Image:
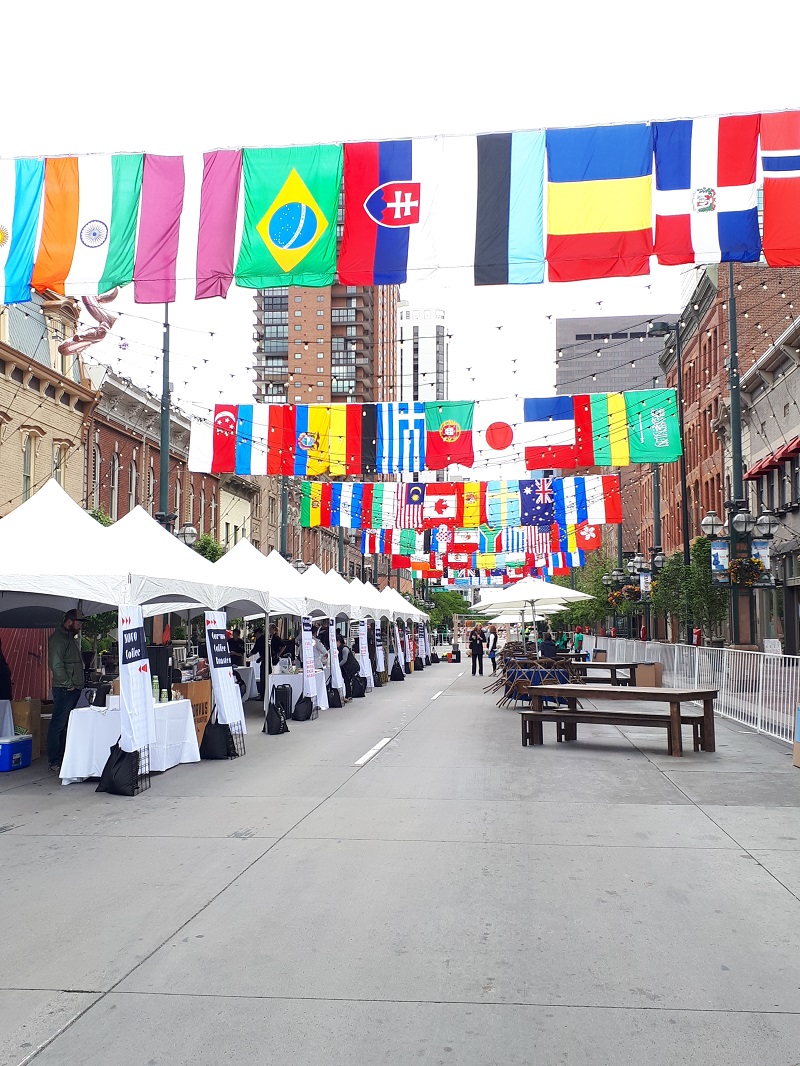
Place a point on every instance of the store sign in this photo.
(227, 696)
(137, 720)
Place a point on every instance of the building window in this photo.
(178, 498)
(202, 508)
(114, 493)
(190, 501)
(227, 534)
(133, 479)
(151, 488)
(213, 529)
(235, 534)
(298, 327)
(298, 314)
(320, 299)
(272, 509)
(320, 314)
(298, 299)
(320, 355)
(96, 465)
(27, 466)
(320, 326)
(60, 463)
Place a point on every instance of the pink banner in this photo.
(154, 273)
(219, 199)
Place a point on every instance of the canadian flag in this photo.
(441, 504)
(587, 536)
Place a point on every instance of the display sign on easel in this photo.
(336, 671)
(227, 696)
(379, 656)
(137, 717)
(363, 654)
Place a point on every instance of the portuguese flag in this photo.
(448, 434)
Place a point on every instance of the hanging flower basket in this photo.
(746, 572)
(632, 593)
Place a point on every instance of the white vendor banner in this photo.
(307, 652)
(363, 654)
(407, 644)
(379, 656)
(336, 671)
(421, 640)
(227, 696)
(398, 647)
(136, 713)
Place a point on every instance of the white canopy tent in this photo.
(401, 606)
(287, 594)
(316, 585)
(339, 589)
(369, 601)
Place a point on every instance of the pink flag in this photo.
(157, 251)
(219, 200)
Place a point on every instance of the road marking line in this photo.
(436, 695)
(372, 752)
(459, 675)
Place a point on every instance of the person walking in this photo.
(477, 640)
(491, 648)
(66, 665)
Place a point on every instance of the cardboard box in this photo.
(115, 687)
(649, 675)
(199, 694)
(28, 716)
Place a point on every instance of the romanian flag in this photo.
(599, 206)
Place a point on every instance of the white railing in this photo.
(761, 691)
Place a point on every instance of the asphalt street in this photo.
(456, 898)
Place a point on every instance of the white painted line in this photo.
(436, 695)
(372, 752)
(459, 675)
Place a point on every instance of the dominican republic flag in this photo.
(780, 159)
(706, 202)
(469, 205)
(536, 501)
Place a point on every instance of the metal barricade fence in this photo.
(758, 690)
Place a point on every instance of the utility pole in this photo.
(737, 477)
(163, 464)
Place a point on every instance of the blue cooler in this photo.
(15, 753)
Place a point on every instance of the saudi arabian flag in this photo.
(291, 199)
(653, 428)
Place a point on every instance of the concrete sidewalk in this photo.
(458, 899)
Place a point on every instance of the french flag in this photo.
(706, 202)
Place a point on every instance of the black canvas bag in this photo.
(303, 709)
(376, 679)
(284, 700)
(334, 697)
(217, 742)
(397, 673)
(121, 773)
(275, 720)
(418, 663)
(350, 666)
(359, 686)
(434, 657)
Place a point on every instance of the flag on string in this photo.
(780, 160)
(472, 504)
(315, 504)
(88, 238)
(373, 541)
(594, 499)
(503, 503)
(465, 540)
(21, 184)
(219, 201)
(441, 538)
(156, 265)
(706, 199)
(653, 427)
(410, 505)
(223, 457)
(384, 505)
(489, 540)
(536, 502)
(342, 513)
(440, 504)
(448, 425)
(281, 439)
(367, 491)
(588, 537)
(599, 202)
(552, 433)
(312, 433)
(400, 437)
(291, 198)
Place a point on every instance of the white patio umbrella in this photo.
(530, 592)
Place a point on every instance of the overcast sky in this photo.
(180, 78)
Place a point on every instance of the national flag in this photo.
(706, 200)
(281, 439)
(551, 433)
(441, 538)
(219, 201)
(465, 540)
(312, 432)
(536, 502)
(384, 505)
(503, 504)
(407, 541)
(489, 540)
(441, 504)
(224, 442)
(594, 499)
(401, 438)
(21, 184)
(654, 433)
(372, 541)
(401, 562)
(472, 504)
(291, 198)
(315, 505)
(88, 239)
(367, 490)
(780, 160)
(342, 505)
(603, 417)
(410, 505)
(599, 202)
(448, 425)
(155, 266)
(588, 537)
(346, 433)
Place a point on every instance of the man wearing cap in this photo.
(66, 665)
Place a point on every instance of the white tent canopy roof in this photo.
(316, 585)
(287, 594)
(530, 591)
(400, 605)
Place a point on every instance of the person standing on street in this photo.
(491, 648)
(66, 665)
(477, 639)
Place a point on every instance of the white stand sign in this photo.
(363, 654)
(307, 651)
(379, 656)
(137, 717)
(398, 647)
(336, 671)
(226, 692)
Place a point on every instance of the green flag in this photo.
(653, 428)
(291, 198)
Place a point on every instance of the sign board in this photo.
(336, 671)
(199, 695)
(720, 562)
(379, 657)
(227, 696)
(363, 654)
(136, 713)
(772, 646)
(307, 652)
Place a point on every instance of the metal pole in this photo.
(163, 463)
(737, 478)
(687, 558)
(341, 550)
(653, 625)
(284, 515)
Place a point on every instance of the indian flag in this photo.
(88, 229)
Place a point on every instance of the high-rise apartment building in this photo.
(423, 353)
(609, 354)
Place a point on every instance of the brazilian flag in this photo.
(291, 199)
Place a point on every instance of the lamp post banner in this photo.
(227, 696)
(644, 584)
(137, 718)
(720, 562)
(307, 650)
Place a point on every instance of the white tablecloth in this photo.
(91, 734)
(296, 682)
(249, 675)
(6, 719)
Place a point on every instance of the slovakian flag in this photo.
(780, 160)
(706, 201)
(441, 504)
(448, 425)
(471, 205)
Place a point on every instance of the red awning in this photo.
(787, 451)
(761, 467)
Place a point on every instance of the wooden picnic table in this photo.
(611, 669)
(628, 693)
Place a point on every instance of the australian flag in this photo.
(537, 503)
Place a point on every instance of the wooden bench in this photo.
(567, 723)
(672, 696)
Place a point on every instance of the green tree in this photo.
(669, 592)
(446, 605)
(709, 602)
(208, 547)
(99, 514)
(588, 579)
